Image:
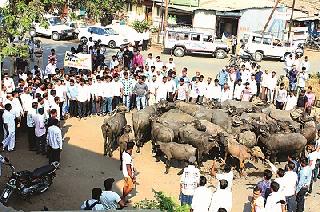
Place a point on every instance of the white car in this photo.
(56, 29)
(266, 46)
(126, 31)
(107, 36)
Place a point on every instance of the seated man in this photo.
(94, 203)
(110, 199)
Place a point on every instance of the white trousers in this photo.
(9, 141)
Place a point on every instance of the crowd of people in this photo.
(37, 100)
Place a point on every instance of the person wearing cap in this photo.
(110, 199)
(189, 181)
(94, 203)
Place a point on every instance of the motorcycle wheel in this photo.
(6, 193)
(47, 182)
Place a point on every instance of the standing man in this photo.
(140, 89)
(190, 180)
(31, 126)
(53, 57)
(38, 52)
(72, 93)
(9, 127)
(201, 197)
(305, 176)
(82, 98)
(146, 37)
(40, 131)
(54, 140)
(234, 43)
(290, 178)
(128, 171)
(127, 89)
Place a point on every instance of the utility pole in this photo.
(290, 24)
(270, 17)
(166, 4)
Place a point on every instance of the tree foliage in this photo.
(17, 18)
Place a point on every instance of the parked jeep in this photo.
(262, 46)
(182, 41)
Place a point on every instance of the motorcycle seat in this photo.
(38, 172)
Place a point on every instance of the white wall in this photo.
(137, 13)
(254, 20)
(204, 19)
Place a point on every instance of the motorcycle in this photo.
(27, 183)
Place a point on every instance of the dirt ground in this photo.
(84, 167)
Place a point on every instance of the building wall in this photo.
(204, 19)
(255, 19)
(135, 12)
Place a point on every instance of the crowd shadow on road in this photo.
(81, 170)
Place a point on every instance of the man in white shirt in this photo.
(150, 61)
(238, 90)
(162, 90)
(281, 97)
(306, 64)
(313, 156)
(291, 179)
(302, 78)
(291, 101)
(8, 83)
(276, 200)
(272, 84)
(54, 140)
(152, 86)
(109, 199)
(226, 175)
(9, 127)
(50, 69)
(30, 124)
(61, 92)
(107, 95)
(26, 99)
(171, 88)
(202, 197)
(222, 198)
(93, 203)
(226, 93)
(82, 98)
(182, 91)
(114, 62)
(128, 171)
(40, 131)
(117, 91)
(158, 64)
(171, 65)
(189, 181)
(213, 91)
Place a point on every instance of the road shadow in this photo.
(80, 171)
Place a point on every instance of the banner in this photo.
(80, 61)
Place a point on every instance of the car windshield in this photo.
(55, 21)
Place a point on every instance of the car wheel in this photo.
(220, 54)
(55, 36)
(258, 56)
(179, 52)
(112, 44)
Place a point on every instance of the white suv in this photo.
(107, 36)
(56, 29)
(183, 41)
(266, 46)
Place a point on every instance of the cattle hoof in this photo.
(110, 155)
(166, 172)
(157, 160)
(138, 151)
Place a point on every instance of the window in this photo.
(100, 31)
(171, 35)
(158, 11)
(182, 36)
(207, 38)
(267, 41)
(256, 39)
(195, 37)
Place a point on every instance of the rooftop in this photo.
(231, 5)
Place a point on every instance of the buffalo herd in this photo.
(233, 129)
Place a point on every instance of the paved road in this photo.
(205, 64)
